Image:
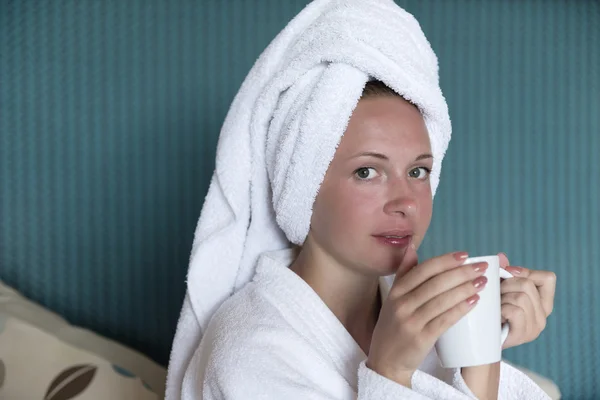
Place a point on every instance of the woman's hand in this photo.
(421, 306)
(527, 301)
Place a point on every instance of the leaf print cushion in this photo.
(37, 365)
(42, 356)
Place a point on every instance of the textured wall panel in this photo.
(110, 112)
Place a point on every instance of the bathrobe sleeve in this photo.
(514, 385)
(371, 385)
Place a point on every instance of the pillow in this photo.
(42, 356)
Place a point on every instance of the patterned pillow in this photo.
(37, 365)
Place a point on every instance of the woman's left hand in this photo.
(527, 301)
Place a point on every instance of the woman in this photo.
(320, 320)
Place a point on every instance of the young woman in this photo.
(348, 311)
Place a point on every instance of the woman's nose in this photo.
(402, 201)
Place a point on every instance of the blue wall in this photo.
(110, 112)
(522, 81)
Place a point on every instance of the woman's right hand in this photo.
(422, 304)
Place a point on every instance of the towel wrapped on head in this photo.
(280, 135)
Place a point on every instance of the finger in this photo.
(534, 314)
(424, 271)
(446, 283)
(545, 282)
(409, 261)
(524, 290)
(516, 317)
(518, 324)
(450, 298)
(503, 260)
(437, 326)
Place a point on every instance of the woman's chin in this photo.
(390, 266)
(384, 268)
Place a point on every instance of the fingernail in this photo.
(461, 255)
(480, 266)
(480, 282)
(514, 270)
(473, 299)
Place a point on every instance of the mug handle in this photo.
(505, 326)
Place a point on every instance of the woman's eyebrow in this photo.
(384, 157)
(424, 156)
(371, 154)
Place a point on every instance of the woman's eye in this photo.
(419, 173)
(366, 173)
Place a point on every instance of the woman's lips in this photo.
(394, 240)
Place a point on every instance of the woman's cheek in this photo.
(360, 201)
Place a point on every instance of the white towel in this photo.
(280, 135)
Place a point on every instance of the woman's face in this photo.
(376, 198)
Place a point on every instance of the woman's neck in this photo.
(352, 297)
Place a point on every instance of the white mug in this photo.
(477, 338)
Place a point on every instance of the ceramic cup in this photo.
(477, 338)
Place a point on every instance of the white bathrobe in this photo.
(276, 339)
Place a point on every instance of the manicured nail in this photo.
(480, 282)
(514, 270)
(461, 255)
(472, 300)
(480, 266)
